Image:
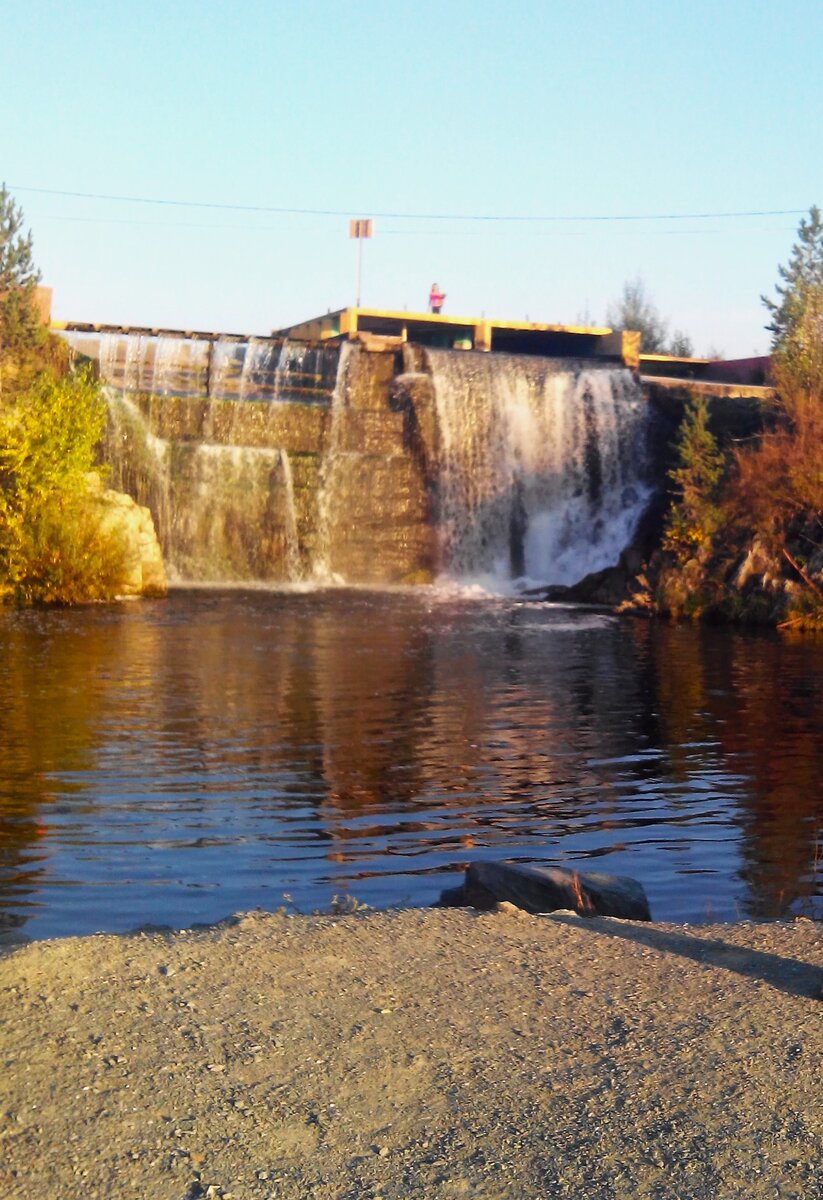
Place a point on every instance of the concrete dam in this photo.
(376, 460)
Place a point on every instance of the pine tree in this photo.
(797, 361)
(802, 282)
(797, 314)
(17, 269)
(695, 514)
(681, 345)
(21, 335)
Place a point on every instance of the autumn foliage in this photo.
(744, 538)
(53, 548)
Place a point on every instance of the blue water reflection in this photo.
(172, 762)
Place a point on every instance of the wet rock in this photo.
(541, 887)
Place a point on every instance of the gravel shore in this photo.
(419, 1053)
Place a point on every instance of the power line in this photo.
(407, 216)
(427, 232)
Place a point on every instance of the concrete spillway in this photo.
(401, 465)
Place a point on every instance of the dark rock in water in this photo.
(453, 898)
(542, 888)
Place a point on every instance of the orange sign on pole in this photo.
(360, 229)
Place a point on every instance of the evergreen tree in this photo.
(681, 345)
(17, 269)
(797, 319)
(695, 514)
(802, 284)
(21, 335)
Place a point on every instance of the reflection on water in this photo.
(172, 762)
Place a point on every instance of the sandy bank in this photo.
(418, 1053)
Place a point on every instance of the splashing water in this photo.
(223, 512)
(333, 461)
(533, 470)
(542, 466)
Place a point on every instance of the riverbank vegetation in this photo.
(744, 535)
(53, 546)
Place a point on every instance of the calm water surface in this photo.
(172, 762)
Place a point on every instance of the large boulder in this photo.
(540, 887)
(143, 571)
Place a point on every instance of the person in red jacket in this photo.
(436, 298)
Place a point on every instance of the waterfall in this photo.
(140, 462)
(263, 459)
(541, 466)
(218, 366)
(294, 567)
(234, 514)
(266, 369)
(223, 512)
(126, 361)
(330, 471)
(180, 366)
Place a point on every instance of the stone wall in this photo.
(346, 489)
(381, 529)
(281, 491)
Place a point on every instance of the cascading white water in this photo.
(274, 370)
(330, 473)
(162, 365)
(126, 360)
(139, 460)
(180, 366)
(542, 466)
(260, 360)
(234, 516)
(222, 511)
(295, 370)
(294, 567)
(228, 357)
(523, 468)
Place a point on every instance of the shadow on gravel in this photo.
(789, 975)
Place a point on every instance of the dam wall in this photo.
(280, 462)
(278, 489)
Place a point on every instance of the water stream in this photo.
(538, 470)
(176, 761)
(543, 465)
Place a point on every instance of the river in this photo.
(171, 762)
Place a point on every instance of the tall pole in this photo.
(359, 266)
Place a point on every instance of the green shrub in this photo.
(52, 548)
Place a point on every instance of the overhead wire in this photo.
(521, 218)
(427, 232)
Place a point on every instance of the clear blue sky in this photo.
(551, 110)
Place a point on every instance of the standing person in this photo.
(436, 298)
